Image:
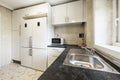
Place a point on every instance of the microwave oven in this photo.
(57, 41)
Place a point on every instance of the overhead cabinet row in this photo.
(73, 12)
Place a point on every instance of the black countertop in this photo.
(58, 71)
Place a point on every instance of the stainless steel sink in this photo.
(85, 61)
(76, 58)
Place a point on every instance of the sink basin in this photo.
(77, 58)
(84, 61)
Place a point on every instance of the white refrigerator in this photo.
(34, 43)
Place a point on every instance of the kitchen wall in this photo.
(70, 33)
(5, 36)
(89, 28)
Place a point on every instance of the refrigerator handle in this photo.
(30, 42)
(30, 52)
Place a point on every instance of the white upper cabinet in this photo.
(17, 15)
(59, 14)
(72, 12)
(75, 12)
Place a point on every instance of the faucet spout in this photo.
(91, 51)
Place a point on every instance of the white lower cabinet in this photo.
(53, 54)
(39, 59)
(26, 58)
(34, 58)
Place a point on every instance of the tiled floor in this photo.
(17, 72)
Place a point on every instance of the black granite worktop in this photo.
(58, 71)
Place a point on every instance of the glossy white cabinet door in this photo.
(53, 54)
(39, 33)
(26, 57)
(26, 33)
(75, 11)
(16, 33)
(16, 20)
(72, 12)
(39, 59)
(15, 45)
(59, 14)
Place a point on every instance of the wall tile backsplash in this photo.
(70, 33)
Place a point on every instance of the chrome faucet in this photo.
(90, 50)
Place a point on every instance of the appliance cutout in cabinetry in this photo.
(33, 43)
(81, 41)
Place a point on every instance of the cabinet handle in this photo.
(30, 41)
(30, 52)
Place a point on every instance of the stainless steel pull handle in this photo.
(30, 42)
(30, 52)
(19, 30)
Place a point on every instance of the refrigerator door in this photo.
(40, 59)
(26, 34)
(39, 35)
(26, 57)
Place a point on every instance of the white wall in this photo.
(5, 38)
(89, 28)
(103, 21)
(69, 32)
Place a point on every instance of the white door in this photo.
(75, 11)
(39, 35)
(39, 59)
(26, 33)
(26, 57)
(59, 14)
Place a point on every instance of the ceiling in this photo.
(14, 4)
